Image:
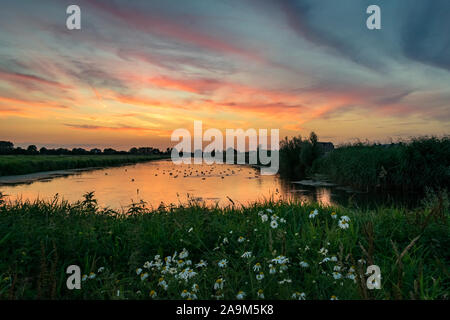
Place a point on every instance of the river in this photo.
(161, 181)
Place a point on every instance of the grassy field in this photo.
(23, 164)
(275, 250)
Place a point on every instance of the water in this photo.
(162, 181)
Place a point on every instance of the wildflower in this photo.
(222, 263)
(274, 224)
(92, 275)
(274, 217)
(260, 276)
(299, 295)
(101, 269)
(153, 294)
(225, 240)
(162, 282)
(180, 263)
(345, 218)
(272, 269)
(313, 214)
(337, 268)
(260, 213)
(138, 271)
(186, 274)
(333, 297)
(188, 262)
(280, 260)
(304, 264)
(264, 218)
(260, 294)
(343, 224)
(257, 267)
(219, 284)
(361, 261)
(323, 251)
(184, 293)
(351, 276)
(246, 254)
(183, 254)
(241, 239)
(285, 281)
(195, 287)
(337, 275)
(282, 220)
(192, 296)
(269, 210)
(144, 276)
(333, 258)
(351, 269)
(201, 264)
(283, 267)
(240, 295)
(190, 230)
(147, 265)
(333, 215)
(118, 293)
(84, 278)
(326, 259)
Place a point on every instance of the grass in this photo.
(23, 164)
(39, 240)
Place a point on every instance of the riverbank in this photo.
(272, 250)
(26, 164)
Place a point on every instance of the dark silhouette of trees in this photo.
(6, 147)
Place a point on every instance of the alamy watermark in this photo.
(73, 21)
(258, 152)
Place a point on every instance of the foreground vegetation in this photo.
(405, 166)
(272, 250)
(23, 164)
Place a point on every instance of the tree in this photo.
(6, 147)
(95, 151)
(32, 149)
(109, 151)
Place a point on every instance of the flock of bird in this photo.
(203, 173)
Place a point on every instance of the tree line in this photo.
(7, 148)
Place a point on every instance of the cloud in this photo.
(425, 34)
(119, 128)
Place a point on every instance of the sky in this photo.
(137, 70)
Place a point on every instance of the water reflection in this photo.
(162, 182)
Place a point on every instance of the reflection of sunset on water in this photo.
(163, 182)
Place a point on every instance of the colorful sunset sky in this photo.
(137, 70)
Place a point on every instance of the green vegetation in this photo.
(299, 250)
(406, 166)
(23, 164)
(412, 166)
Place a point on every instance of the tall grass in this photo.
(23, 164)
(408, 166)
(39, 240)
